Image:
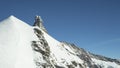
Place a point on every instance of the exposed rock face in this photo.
(41, 51)
(46, 58)
(85, 56)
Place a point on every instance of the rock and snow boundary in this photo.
(25, 46)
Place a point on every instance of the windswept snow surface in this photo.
(105, 64)
(15, 49)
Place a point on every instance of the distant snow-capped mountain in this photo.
(25, 46)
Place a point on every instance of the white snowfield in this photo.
(105, 64)
(16, 51)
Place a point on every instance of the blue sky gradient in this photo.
(90, 24)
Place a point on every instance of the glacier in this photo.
(25, 46)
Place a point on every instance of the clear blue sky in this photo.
(90, 24)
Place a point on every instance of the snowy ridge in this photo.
(105, 64)
(15, 36)
(25, 46)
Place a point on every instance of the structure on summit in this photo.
(39, 23)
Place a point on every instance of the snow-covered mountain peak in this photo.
(12, 16)
(15, 41)
(14, 22)
(25, 46)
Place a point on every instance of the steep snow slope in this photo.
(60, 53)
(105, 64)
(15, 49)
(25, 46)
